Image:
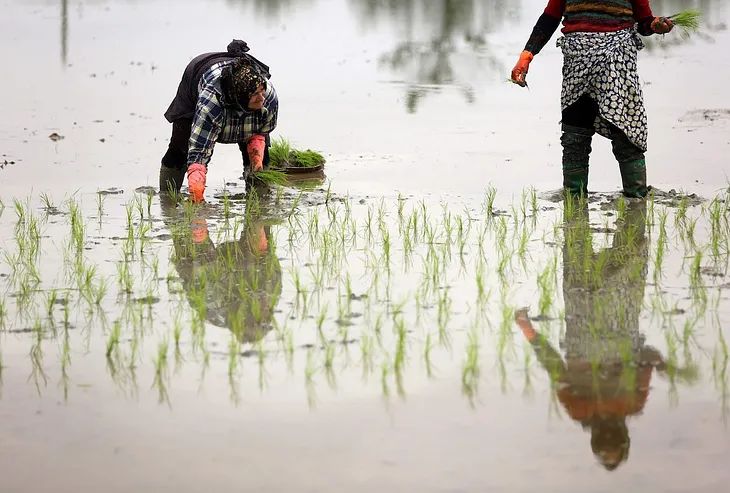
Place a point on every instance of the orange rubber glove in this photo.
(196, 181)
(661, 25)
(255, 147)
(523, 64)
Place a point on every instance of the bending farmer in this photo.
(601, 92)
(222, 97)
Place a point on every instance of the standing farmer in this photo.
(601, 90)
(222, 97)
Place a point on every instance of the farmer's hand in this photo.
(196, 181)
(661, 25)
(255, 147)
(519, 72)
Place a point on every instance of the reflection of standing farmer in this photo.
(222, 97)
(607, 369)
(601, 89)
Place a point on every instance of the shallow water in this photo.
(370, 341)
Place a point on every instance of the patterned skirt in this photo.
(603, 67)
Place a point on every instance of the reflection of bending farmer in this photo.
(601, 88)
(607, 370)
(237, 283)
(222, 97)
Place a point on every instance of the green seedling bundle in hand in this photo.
(688, 21)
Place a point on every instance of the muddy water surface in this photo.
(364, 330)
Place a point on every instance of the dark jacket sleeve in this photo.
(546, 26)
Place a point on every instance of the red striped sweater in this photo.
(590, 16)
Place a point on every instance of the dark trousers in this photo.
(582, 115)
(176, 156)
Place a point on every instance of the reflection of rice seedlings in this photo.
(400, 350)
(3, 313)
(114, 335)
(427, 348)
(544, 282)
(479, 277)
(505, 332)
(661, 245)
(124, 276)
(503, 260)
(524, 240)
(695, 275)
(515, 216)
(470, 368)
(526, 367)
(161, 359)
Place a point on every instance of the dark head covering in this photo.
(610, 441)
(240, 80)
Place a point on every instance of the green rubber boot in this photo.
(632, 164)
(633, 177)
(576, 144)
(171, 179)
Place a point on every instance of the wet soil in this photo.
(359, 330)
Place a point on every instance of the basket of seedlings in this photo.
(290, 161)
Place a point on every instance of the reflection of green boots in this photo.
(576, 144)
(632, 165)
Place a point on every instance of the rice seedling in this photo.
(688, 21)
(270, 177)
(488, 204)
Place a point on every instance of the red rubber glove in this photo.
(520, 71)
(196, 181)
(255, 147)
(661, 25)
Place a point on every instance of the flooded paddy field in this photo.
(429, 315)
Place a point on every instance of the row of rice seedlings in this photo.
(330, 354)
(434, 257)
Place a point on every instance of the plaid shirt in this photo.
(215, 123)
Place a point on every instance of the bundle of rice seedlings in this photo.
(279, 152)
(306, 159)
(521, 84)
(283, 155)
(687, 20)
(270, 176)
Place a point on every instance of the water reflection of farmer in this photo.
(236, 283)
(223, 97)
(607, 370)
